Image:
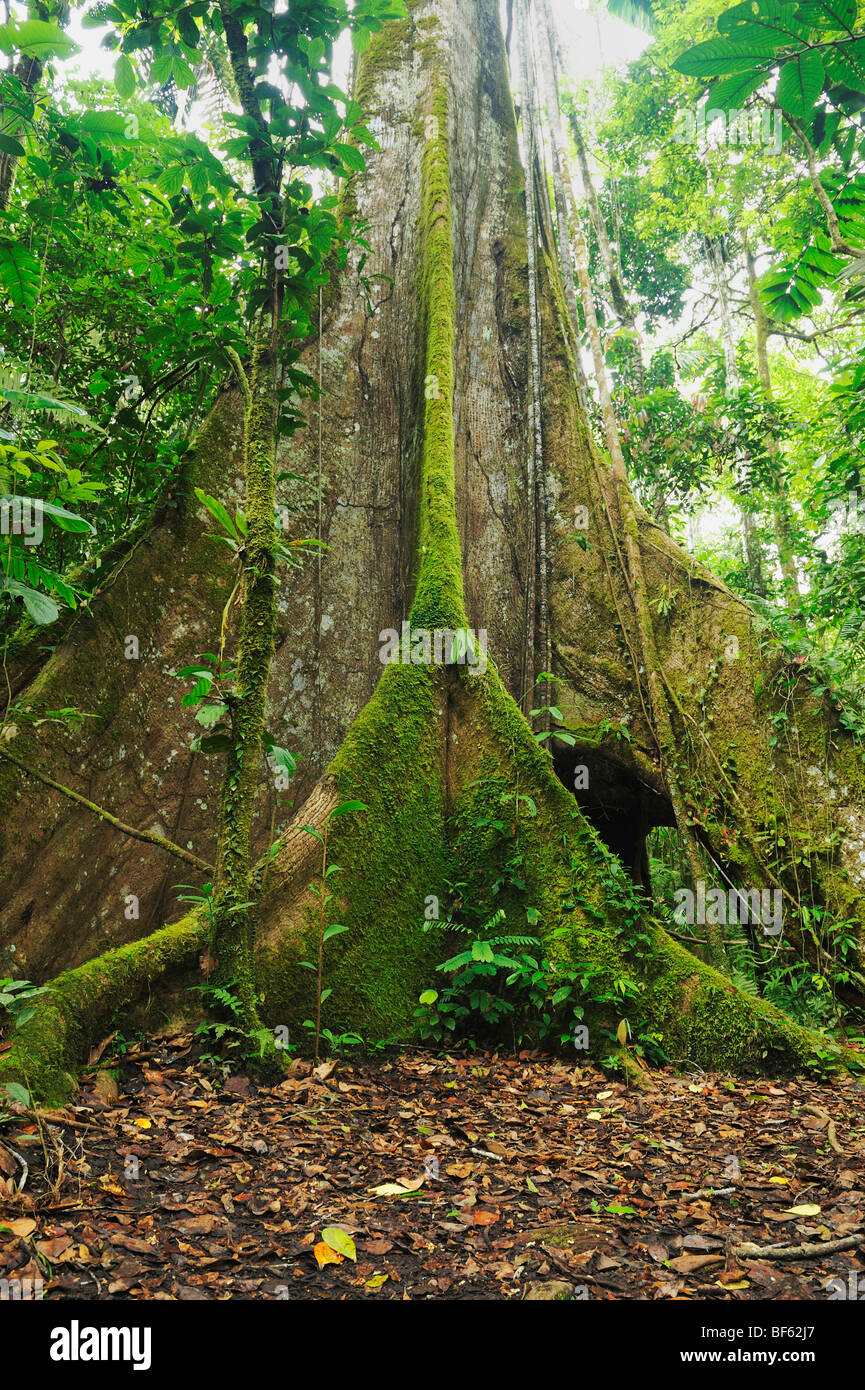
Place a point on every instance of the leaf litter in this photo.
(489, 1176)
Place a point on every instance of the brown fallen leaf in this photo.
(198, 1225)
(53, 1249)
(135, 1244)
(21, 1227)
(689, 1264)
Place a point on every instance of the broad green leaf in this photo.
(333, 930)
(182, 73)
(846, 64)
(730, 92)
(124, 76)
(350, 156)
(212, 743)
(209, 714)
(19, 274)
(40, 607)
(37, 39)
(31, 400)
(348, 806)
(109, 127)
(67, 521)
(829, 14)
(16, 1092)
(717, 57)
(800, 84)
(340, 1242)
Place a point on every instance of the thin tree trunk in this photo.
(753, 548)
(782, 511)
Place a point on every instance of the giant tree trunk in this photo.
(419, 471)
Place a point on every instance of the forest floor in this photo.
(480, 1177)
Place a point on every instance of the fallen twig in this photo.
(805, 1251)
(831, 1132)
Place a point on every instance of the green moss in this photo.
(439, 600)
(384, 53)
(391, 857)
(72, 1016)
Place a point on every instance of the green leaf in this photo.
(729, 93)
(209, 714)
(41, 608)
(847, 64)
(717, 57)
(350, 156)
(800, 84)
(182, 73)
(19, 274)
(10, 146)
(109, 127)
(429, 996)
(67, 521)
(212, 743)
(340, 1242)
(348, 806)
(29, 400)
(216, 509)
(829, 14)
(124, 77)
(37, 39)
(333, 930)
(17, 1093)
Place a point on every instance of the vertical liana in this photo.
(439, 599)
(537, 570)
(231, 925)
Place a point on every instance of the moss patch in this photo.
(72, 1016)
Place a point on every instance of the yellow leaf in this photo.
(109, 1185)
(392, 1189)
(530, 1185)
(622, 1031)
(376, 1281)
(199, 1104)
(741, 1284)
(340, 1242)
(603, 1095)
(809, 1209)
(594, 1115)
(142, 1124)
(782, 1181)
(325, 1256)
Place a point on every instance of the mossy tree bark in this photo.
(420, 487)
